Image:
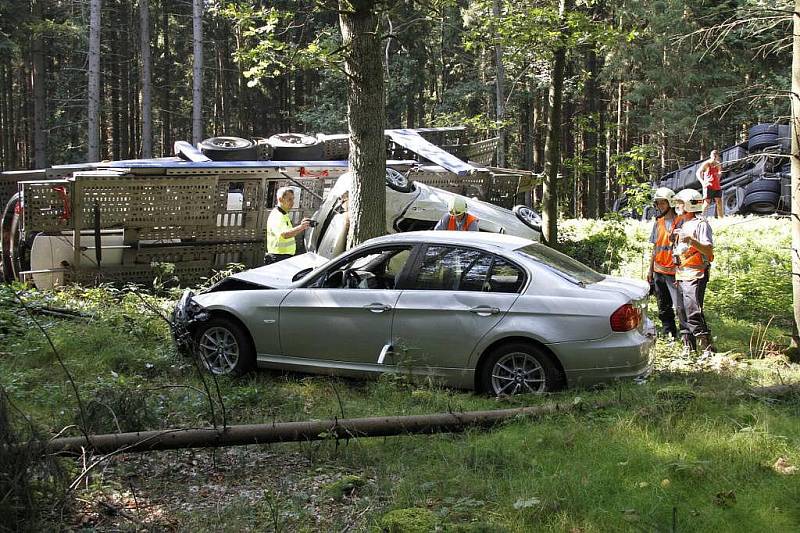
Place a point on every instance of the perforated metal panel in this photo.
(47, 205)
(187, 274)
(146, 202)
(8, 188)
(223, 233)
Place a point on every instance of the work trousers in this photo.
(668, 300)
(693, 293)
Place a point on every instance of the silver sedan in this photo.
(490, 312)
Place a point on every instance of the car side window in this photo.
(377, 268)
(465, 269)
(505, 277)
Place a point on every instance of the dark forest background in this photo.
(648, 85)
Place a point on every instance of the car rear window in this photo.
(561, 264)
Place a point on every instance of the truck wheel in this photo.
(296, 147)
(229, 149)
(768, 185)
(761, 202)
(732, 200)
(7, 226)
(760, 129)
(757, 142)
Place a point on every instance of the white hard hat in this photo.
(457, 205)
(692, 200)
(664, 193)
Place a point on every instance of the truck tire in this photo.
(767, 185)
(7, 225)
(758, 142)
(760, 129)
(296, 147)
(761, 202)
(229, 149)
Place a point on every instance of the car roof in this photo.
(479, 238)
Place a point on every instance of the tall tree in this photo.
(500, 93)
(93, 88)
(552, 143)
(147, 98)
(197, 71)
(366, 118)
(796, 175)
(38, 81)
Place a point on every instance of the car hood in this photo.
(279, 275)
(634, 289)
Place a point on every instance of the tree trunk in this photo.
(39, 79)
(552, 143)
(500, 93)
(147, 98)
(796, 179)
(166, 94)
(93, 89)
(197, 71)
(602, 163)
(345, 428)
(366, 119)
(591, 96)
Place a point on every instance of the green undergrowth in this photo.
(694, 444)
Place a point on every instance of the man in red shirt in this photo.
(709, 175)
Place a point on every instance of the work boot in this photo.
(705, 344)
(689, 345)
(670, 334)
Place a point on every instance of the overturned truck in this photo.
(207, 206)
(755, 174)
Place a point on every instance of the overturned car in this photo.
(412, 206)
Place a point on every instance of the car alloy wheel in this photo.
(219, 350)
(528, 216)
(398, 181)
(518, 373)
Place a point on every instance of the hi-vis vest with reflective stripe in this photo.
(278, 223)
(692, 262)
(663, 262)
(468, 220)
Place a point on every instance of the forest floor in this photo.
(694, 448)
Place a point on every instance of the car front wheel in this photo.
(519, 369)
(224, 347)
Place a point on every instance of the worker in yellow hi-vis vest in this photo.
(280, 232)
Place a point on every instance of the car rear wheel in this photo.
(519, 369)
(224, 348)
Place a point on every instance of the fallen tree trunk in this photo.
(171, 439)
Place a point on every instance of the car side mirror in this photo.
(301, 274)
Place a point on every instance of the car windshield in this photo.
(561, 264)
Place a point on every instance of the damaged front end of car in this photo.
(186, 315)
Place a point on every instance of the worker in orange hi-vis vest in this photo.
(457, 218)
(709, 175)
(694, 252)
(661, 275)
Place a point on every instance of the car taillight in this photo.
(626, 318)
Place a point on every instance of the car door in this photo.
(344, 317)
(452, 297)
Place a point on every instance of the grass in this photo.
(692, 448)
